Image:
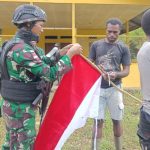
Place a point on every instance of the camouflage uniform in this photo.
(20, 117)
(25, 64)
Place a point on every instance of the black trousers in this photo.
(144, 130)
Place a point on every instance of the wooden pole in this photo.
(101, 72)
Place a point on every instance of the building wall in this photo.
(133, 80)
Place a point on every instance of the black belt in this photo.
(20, 91)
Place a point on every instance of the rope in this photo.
(95, 136)
(110, 82)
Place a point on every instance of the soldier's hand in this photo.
(74, 50)
(65, 49)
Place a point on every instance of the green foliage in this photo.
(137, 37)
(134, 40)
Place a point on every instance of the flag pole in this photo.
(101, 71)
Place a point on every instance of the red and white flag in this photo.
(75, 100)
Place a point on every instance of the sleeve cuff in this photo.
(66, 60)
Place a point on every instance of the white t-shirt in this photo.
(143, 58)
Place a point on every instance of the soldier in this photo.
(24, 65)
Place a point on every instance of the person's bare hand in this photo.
(74, 50)
(65, 49)
(109, 75)
(112, 75)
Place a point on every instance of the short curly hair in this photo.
(145, 22)
(114, 21)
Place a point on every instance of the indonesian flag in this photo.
(75, 100)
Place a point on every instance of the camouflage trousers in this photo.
(20, 126)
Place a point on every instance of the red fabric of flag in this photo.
(68, 97)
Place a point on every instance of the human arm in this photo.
(65, 49)
(27, 59)
(76, 49)
(92, 53)
(125, 60)
(56, 55)
(118, 74)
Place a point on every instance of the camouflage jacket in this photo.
(24, 58)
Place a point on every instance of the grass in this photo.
(81, 138)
